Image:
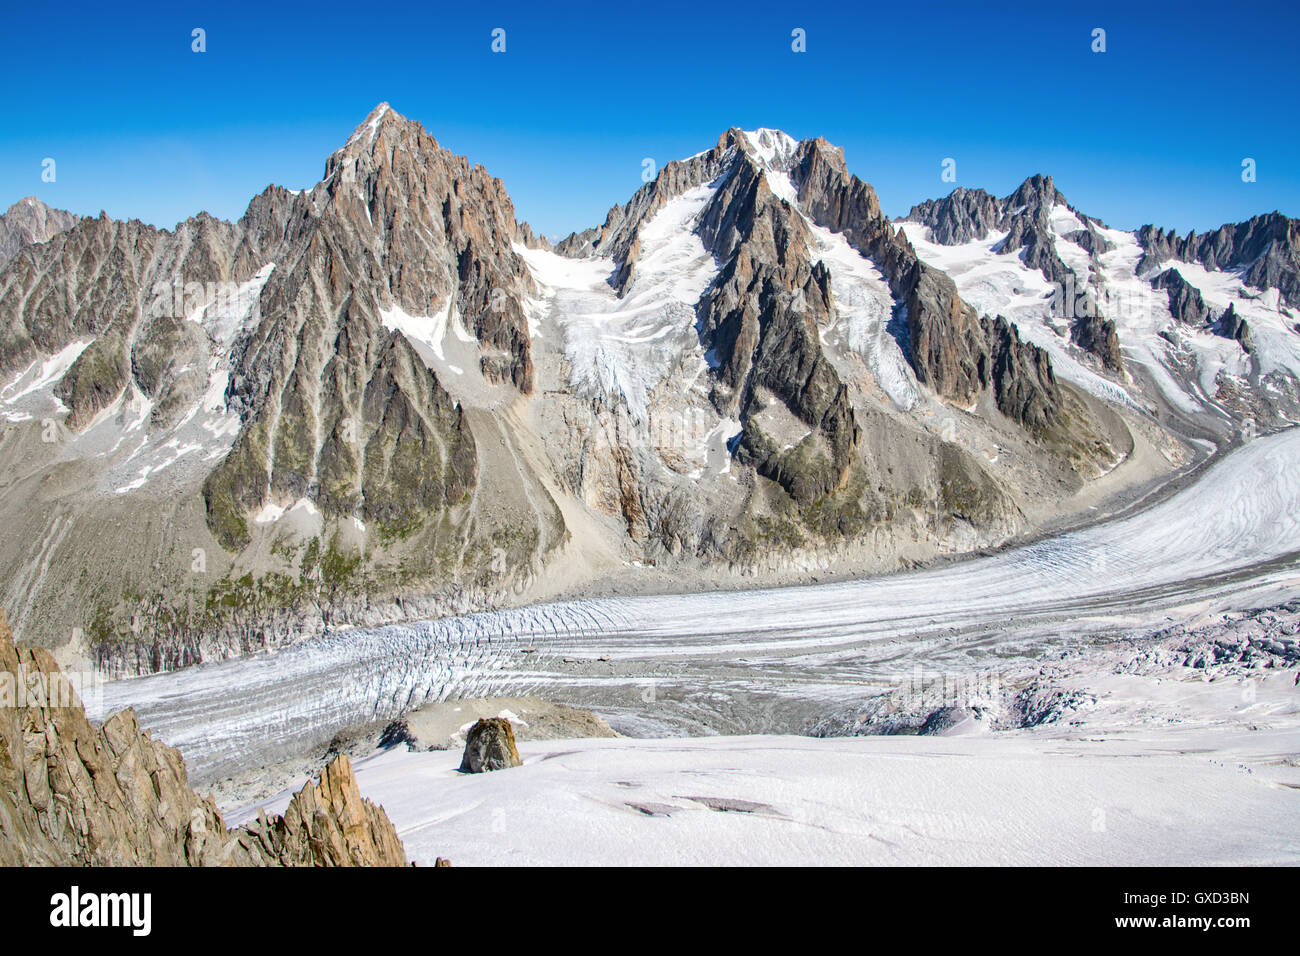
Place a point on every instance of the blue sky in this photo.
(1152, 130)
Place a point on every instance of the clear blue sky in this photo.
(1153, 130)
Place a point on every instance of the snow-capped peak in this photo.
(772, 147)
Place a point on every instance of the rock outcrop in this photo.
(952, 349)
(1266, 249)
(1232, 326)
(440, 725)
(1185, 301)
(490, 745)
(1026, 218)
(963, 216)
(72, 794)
(1096, 334)
(30, 221)
(326, 824)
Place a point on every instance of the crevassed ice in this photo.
(1277, 347)
(863, 309)
(623, 347)
(227, 315)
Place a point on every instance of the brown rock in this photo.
(73, 794)
(490, 745)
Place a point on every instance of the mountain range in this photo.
(385, 397)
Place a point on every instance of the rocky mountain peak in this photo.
(400, 235)
(1036, 193)
(1028, 217)
(29, 220)
(1266, 248)
(773, 148)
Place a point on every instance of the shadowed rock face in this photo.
(1185, 300)
(72, 794)
(960, 217)
(1026, 218)
(338, 409)
(759, 318)
(1025, 386)
(1265, 248)
(1096, 334)
(952, 349)
(1232, 326)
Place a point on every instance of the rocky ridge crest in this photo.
(72, 794)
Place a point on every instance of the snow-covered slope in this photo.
(1080, 265)
(1001, 284)
(131, 448)
(782, 801)
(622, 347)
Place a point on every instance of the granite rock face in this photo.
(1186, 303)
(761, 319)
(953, 350)
(31, 221)
(327, 823)
(1266, 249)
(72, 794)
(1026, 218)
(338, 407)
(490, 745)
(962, 216)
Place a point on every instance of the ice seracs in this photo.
(623, 346)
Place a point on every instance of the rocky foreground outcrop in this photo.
(72, 794)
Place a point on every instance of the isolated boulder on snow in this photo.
(490, 745)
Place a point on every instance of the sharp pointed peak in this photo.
(381, 115)
(1039, 185)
